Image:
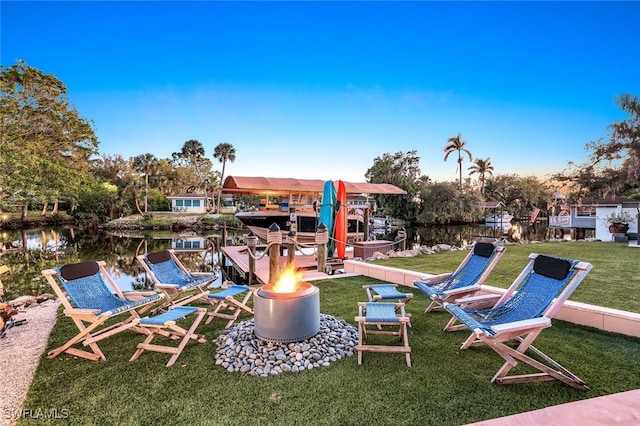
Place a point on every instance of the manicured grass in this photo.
(445, 385)
(614, 281)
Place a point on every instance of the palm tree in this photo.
(482, 168)
(455, 143)
(223, 152)
(194, 151)
(143, 164)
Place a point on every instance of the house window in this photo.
(178, 203)
(182, 244)
(187, 203)
(196, 203)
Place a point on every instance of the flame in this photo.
(289, 281)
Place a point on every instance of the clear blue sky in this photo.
(318, 90)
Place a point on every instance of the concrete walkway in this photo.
(617, 409)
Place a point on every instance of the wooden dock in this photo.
(238, 257)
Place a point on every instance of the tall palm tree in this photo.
(194, 151)
(482, 168)
(223, 152)
(143, 164)
(455, 143)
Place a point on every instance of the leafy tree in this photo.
(97, 203)
(482, 167)
(114, 169)
(444, 203)
(400, 169)
(624, 138)
(223, 152)
(534, 193)
(504, 188)
(614, 166)
(455, 143)
(519, 194)
(45, 146)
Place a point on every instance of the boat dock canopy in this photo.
(276, 186)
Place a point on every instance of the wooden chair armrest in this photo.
(436, 278)
(518, 326)
(82, 314)
(203, 274)
(478, 302)
(134, 296)
(462, 290)
(167, 286)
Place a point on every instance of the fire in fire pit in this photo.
(288, 310)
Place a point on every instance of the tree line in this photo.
(613, 168)
(49, 154)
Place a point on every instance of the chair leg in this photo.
(453, 325)
(405, 338)
(361, 336)
(553, 371)
(434, 306)
(175, 352)
(231, 304)
(85, 333)
(188, 336)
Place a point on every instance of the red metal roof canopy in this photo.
(254, 185)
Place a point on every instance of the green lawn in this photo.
(613, 282)
(444, 386)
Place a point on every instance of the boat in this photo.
(305, 224)
(499, 218)
(300, 204)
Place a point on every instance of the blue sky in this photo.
(320, 89)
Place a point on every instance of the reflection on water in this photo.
(48, 248)
(461, 235)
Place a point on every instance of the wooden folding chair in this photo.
(167, 321)
(465, 280)
(389, 319)
(514, 320)
(91, 298)
(170, 276)
(227, 306)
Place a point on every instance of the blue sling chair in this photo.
(182, 287)
(509, 323)
(466, 280)
(171, 277)
(91, 298)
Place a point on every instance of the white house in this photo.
(189, 203)
(618, 205)
(197, 203)
(589, 218)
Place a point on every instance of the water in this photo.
(461, 235)
(48, 248)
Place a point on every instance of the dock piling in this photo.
(322, 238)
(252, 243)
(274, 241)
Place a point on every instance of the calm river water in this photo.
(47, 248)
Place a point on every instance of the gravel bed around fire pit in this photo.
(239, 350)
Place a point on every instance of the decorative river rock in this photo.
(240, 350)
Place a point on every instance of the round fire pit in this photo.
(287, 317)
